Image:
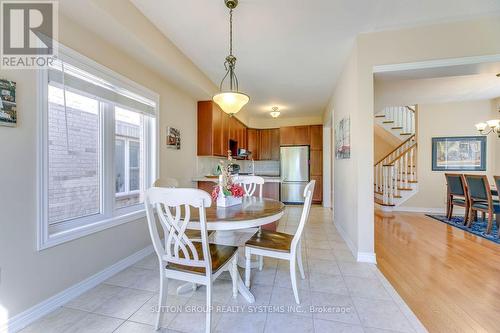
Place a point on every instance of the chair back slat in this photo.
(249, 184)
(456, 184)
(178, 248)
(308, 194)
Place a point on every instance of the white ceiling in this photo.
(290, 52)
(437, 85)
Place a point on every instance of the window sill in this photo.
(64, 236)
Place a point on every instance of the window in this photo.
(97, 148)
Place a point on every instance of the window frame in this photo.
(52, 235)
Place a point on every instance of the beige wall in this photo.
(28, 276)
(343, 102)
(495, 109)
(446, 119)
(383, 143)
(477, 37)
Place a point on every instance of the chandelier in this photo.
(491, 126)
(230, 101)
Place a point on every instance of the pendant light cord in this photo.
(230, 32)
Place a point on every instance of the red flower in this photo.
(215, 193)
(236, 191)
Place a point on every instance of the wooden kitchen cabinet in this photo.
(302, 135)
(265, 144)
(275, 144)
(318, 189)
(287, 136)
(294, 135)
(316, 162)
(210, 124)
(316, 133)
(253, 143)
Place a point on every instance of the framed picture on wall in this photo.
(343, 139)
(8, 107)
(463, 153)
(173, 138)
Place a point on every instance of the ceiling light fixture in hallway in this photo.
(231, 101)
(275, 113)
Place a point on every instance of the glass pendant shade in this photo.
(481, 126)
(493, 123)
(231, 101)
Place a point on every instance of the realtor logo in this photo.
(28, 34)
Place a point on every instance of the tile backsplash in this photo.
(206, 166)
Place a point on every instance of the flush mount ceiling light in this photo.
(230, 101)
(275, 113)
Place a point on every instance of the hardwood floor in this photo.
(448, 277)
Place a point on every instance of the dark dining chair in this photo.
(456, 195)
(479, 192)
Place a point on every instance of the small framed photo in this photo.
(464, 153)
(8, 108)
(173, 138)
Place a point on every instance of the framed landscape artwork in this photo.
(466, 153)
(8, 109)
(343, 139)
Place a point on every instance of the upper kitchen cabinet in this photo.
(295, 135)
(265, 144)
(253, 143)
(210, 129)
(216, 129)
(316, 133)
(275, 144)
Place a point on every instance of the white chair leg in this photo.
(162, 299)
(261, 262)
(234, 275)
(208, 321)
(293, 277)
(248, 256)
(299, 261)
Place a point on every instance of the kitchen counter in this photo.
(268, 179)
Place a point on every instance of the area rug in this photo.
(478, 228)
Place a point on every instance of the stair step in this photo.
(406, 134)
(410, 181)
(405, 189)
(388, 122)
(382, 193)
(380, 116)
(381, 203)
(397, 127)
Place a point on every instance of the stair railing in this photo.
(402, 116)
(395, 176)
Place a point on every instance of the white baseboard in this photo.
(41, 309)
(420, 210)
(369, 257)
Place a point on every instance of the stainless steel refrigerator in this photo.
(294, 173)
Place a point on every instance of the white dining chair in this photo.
(180, 257)
(250, 184)
(281, 245)
(166, 182)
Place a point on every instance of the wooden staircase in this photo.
(395, 174)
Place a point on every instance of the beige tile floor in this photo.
(338, 295)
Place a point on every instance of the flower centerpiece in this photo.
(227, 193)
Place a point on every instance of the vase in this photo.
(223, 201)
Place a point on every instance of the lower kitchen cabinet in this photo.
(318, 189)
(206, 186)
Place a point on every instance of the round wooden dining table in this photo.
(252, 212)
